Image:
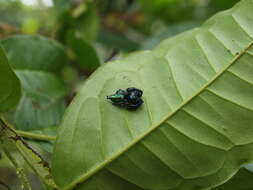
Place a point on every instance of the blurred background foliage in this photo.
(89, 33)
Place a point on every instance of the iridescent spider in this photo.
(129, 98)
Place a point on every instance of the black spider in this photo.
(129, 98)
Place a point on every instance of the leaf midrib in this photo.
(113, 157)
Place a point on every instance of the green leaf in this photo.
(216, 5)
(35, 60)
(84, 52)
(83, 19)
(194, 130)
(87, 24)
(9, 84)
(42, 103)
(118, 41)
(169, 32)
(34, 52)
(170, 10)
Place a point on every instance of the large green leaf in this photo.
(9, 84)
(195, 128)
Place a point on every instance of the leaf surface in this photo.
(34, 52)
(42, 103)
(195, 128)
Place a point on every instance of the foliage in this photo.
(42, 102)
(10, 86)
(173, 116)
(194, 130)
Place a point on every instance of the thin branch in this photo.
(30, 135)
(16, 137)
(23, 147)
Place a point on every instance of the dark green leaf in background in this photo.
(88, 23)
(9, 84)
(78, 29)
(34, 52)
(117, 41)
(35, 60)
(42, 103)
(169, 32)
(83, 19)
(170, 10)
(85, 53)
(216, 5)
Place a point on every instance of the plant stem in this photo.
(27, 134)
(30, 135)
(16, 137)
(33, 158)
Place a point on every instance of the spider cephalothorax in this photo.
(129, 98)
